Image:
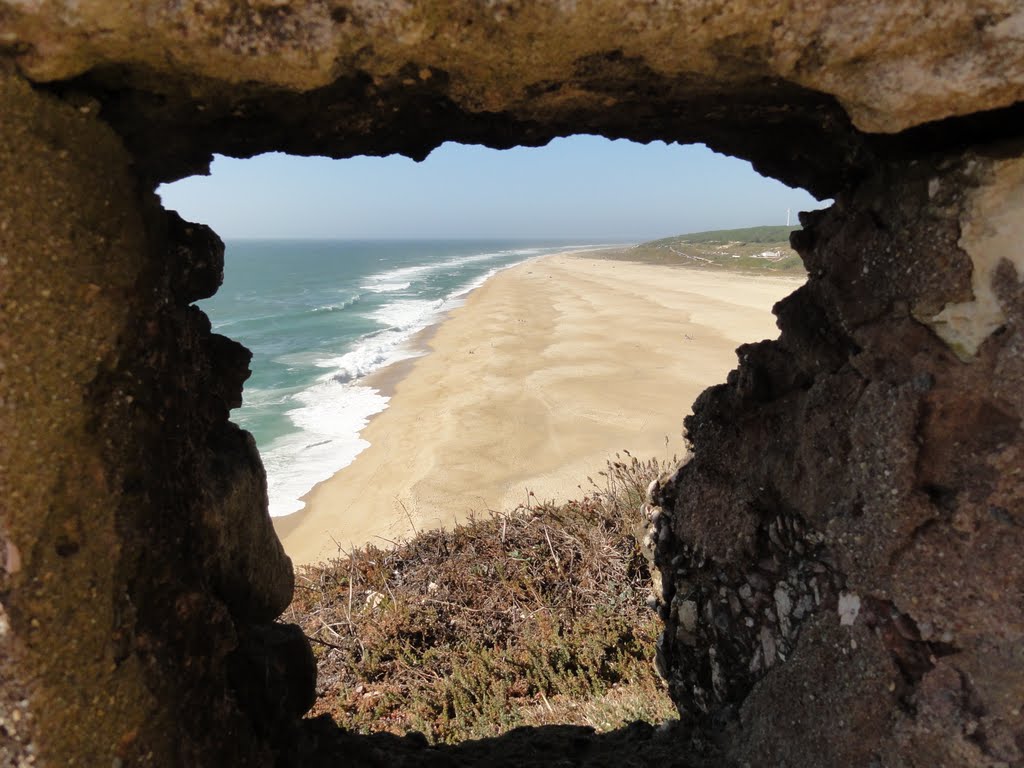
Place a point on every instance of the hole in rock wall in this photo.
(483, 332)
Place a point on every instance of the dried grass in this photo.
(534, 617)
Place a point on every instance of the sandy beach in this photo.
(547, 370)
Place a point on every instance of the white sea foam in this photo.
(268, 398)
(239, 321)
(419, 270)
(368, 355)
(402, 274)
(408, 313)
(402, 320)
(386, 287)
(338, 306)
(330, 416)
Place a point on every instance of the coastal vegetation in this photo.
(534, 617)
(753, 249)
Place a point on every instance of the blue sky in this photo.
(582, 187)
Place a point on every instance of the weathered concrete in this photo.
(841, 559)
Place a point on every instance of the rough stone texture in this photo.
(992, 232)
(841, 560)
(71, 242)
(134, 542)
(891, 65)
(777, 83)
(873, 541)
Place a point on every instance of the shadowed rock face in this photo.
(841, 572)
(840, 553)
(784, 85)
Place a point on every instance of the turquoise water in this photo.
(321, 315)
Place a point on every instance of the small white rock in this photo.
(849, 608)
(687, 613)
(783, 608)
(650, 490)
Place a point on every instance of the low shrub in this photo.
(533, 617)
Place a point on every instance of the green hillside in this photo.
(753, 249)
(760, 235)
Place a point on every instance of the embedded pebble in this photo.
(849, 608)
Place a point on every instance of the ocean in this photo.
(319, 316)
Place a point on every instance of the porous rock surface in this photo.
(840, 561)
(850, 597)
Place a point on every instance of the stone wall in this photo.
(841, 558)
(140, 568)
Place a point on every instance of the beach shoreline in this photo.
(531, 385)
